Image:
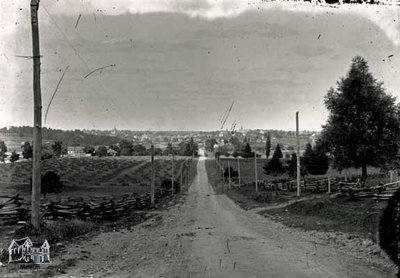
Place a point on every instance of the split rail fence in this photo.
(15, 209)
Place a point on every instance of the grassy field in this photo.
(247, 172)
(314, 211)
(337, 214)
(90, 176)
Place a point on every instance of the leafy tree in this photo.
(188, 148)
(315, 160)
(273, 167)
(115, 149)
(139, 150)
(3, 150)
(389, 229)
(247, 152)
(363, 126)
(291, 167)
(14, 157)
(268, 145)
(89, 150)
(126, 147)
(57, 148)
(277, 153)
(51, 183)
(101, 151)
(210, 143)
(27, 150)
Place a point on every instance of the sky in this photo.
(180, 64)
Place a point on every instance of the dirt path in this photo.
(207, 235)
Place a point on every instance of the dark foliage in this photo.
(167, 185)
(363, 126)
(315, 160)
(27, 150)
(51, 183)
(14, 157)
(234, 174)
(247, 151)
(389, 228)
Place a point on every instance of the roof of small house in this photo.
(21, 241)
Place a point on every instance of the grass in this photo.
(337, 214)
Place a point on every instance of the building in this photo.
(26, 251)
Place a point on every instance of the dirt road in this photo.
(207, 235)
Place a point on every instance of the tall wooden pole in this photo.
(152, 177)
(172, 175)
(298, 154)
(238, 165)
(37, 114)
(255, 170)
(229, 175)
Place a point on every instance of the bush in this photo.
(389, 228)
(234, 174)
(51, 183)
(166, 184)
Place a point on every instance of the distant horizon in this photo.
(133, 130)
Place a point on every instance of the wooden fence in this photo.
(14, 209)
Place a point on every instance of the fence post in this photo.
(255, 170)
(152, 177)
(229, 175)
(172, 175)
(238, 163)
(329, 185)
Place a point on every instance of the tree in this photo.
(277, 153)
(27, 151)
(101, 151)
(268, 145)
(139, 150)
(89, 150)
(126, 147)
(3, 150)
(363, 125)
(57, 148)
(14, 157)
(389, 225)
(51, 183)
(291, 167)
(273, 167)
(209, 144)
(315, 160)
(247, 151)
(188, 148)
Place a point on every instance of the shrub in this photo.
(51, 183)
(389, 228)
(167, 185)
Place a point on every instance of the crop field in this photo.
(91, 176)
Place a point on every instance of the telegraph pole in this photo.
(255, 170)
(172, 175)
(37, 115)
(298, 154)
(152, 177)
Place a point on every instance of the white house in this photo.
(25, 251)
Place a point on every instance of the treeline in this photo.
(127, 148)
(70, 137)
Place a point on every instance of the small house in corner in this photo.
(26, 251)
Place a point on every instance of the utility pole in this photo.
(229, 175)
(238, 165)
(37, 115)
(255, 170)
(152, 177)
(298, 153)
(172, 175)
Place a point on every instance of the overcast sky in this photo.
(179, 64)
